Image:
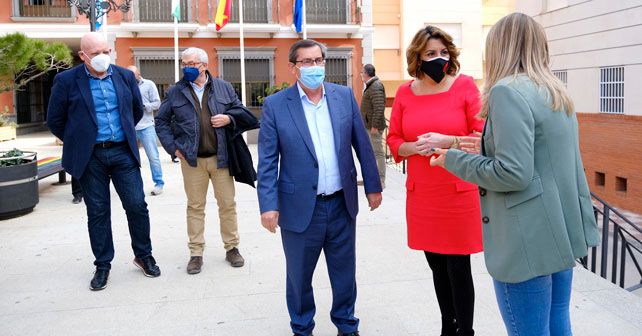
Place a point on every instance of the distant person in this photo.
(207, 115)
(536, 206)
(373, 108)
(93, 108)
(145, 131)
(442, 211)
(307, 185)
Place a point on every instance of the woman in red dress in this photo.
(442, 211)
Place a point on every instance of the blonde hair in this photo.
(515, 45)
(420, 43)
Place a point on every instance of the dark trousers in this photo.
(119, 165)
(333, 231)
(455, 292)
(76, 190)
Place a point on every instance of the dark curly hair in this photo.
(419, 44)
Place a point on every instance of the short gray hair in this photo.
(202, 55)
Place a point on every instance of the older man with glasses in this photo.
(208, 120)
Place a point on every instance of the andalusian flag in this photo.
(223, 13)
(176, 9)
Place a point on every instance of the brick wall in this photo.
(611, 146)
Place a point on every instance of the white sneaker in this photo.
(157, 190)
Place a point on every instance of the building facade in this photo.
(143, 36)
(595, 49)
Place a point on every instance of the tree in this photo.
(23, 59)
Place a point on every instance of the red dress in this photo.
(442, 211)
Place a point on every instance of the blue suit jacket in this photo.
(71, 115)
(288, 169)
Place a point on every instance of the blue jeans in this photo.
(118, 164)
(147, 137)
(536, 307)
(333, 231)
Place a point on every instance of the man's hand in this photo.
(270, 220)
(374, 200)
(179, 155)
(220, 120)
(374, 130)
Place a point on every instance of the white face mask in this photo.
(100, 62)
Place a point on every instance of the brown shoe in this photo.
(194, 265)
(234, 257)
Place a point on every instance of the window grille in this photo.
(562, 75)
(612, 89)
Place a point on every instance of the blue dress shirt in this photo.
(106, 105)
(320, 126)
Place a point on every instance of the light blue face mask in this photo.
(312, 77)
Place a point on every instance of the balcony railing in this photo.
(254, 11)
(328, 11)
(624, 239)
(160, 11)
(43, 8)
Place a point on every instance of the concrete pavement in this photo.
(46, 265)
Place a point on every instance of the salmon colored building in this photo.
(144, 36)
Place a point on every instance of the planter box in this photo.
(7, 133)
(19, 187)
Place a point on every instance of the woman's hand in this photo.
(440, 157)
(426, 142)
(470, 145)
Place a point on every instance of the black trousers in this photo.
(455, 292)
(76, 190)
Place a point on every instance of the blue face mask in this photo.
(312, 77)
(190, 74)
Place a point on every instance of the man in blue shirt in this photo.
(307, 184)
(93, 109)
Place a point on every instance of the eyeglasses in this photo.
(190, 64)
(310, 62)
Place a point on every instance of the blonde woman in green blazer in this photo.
(536, 207)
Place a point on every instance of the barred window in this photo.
(562, 75)
(612, 89)
(257, 78)
(159, 71)
(336, 71)
(259, 71)
(337, 66)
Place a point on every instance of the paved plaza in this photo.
(46, 266)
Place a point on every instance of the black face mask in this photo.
(435, 68)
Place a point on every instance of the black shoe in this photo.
(356, 333)
(148, 266)
(77, 199)
(99, 281)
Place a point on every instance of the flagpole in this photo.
(175, 49)
(242, 54)
(305, 26)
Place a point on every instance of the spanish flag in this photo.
(222, 13)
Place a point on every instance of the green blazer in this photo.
(537, 215)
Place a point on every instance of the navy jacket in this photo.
(179, 107)
(71, 115)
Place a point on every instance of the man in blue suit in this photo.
(307, 184)
(93, 109)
